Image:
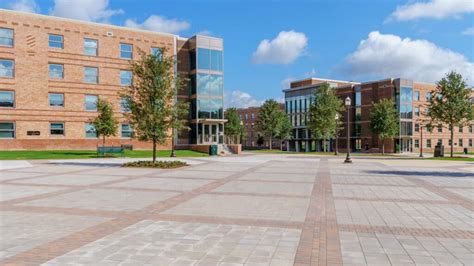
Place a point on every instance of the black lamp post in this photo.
(347, 103)
(337, 133)
(421, 140)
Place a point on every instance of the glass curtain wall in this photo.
(405, 108)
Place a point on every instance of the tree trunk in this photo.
(383, 146)
(154, 151)
(324, 145)
(270, 142)
(452, 140)
(103, 141)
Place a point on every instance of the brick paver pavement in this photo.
(249, 210)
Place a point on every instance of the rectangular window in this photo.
(246, 116)
(460, 129)
(216, 60)
(56, 71)
(440, 129)
(440, 142)
(126, 131)
(56, 99)
(470, 128)
(470, 142)
(253, 116)
(417, 143)
(417, 111)
(428, 96)
(56, 41)
(417, 95)
(7, 68)
(126, 51)
(461, 144)
(90, 47)
(125, 77)
(158, 52)
(6, 37)
(91, 102)
(7, 130)
(7, 99)
(91, 133)
(428, 143)
(91, 75)
(450, 142)
(56, 129)
(417, 127)
(124, 108)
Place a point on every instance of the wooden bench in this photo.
(109, 150)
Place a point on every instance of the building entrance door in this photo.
(406, 145)
(210, 133)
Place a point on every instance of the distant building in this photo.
(249, 116)
(411, 99)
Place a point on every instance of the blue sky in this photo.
(269, 43)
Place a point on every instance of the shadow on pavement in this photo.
(423, 173)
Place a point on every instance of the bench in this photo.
(109, 150)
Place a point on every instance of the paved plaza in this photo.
(242, 210)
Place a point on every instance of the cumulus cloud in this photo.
(240, 99)
(285, 83)
(25, 6)
(468, 31)
(386, 55)
(437, 9)
(88, 10)
(160, 24)
(284, 49)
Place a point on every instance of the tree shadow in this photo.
(422, 173)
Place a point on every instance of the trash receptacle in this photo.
(439, 151)
(213, 150)
(466, 151)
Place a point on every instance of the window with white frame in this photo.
(56, 41)
(56, 71)
(126, 51)
(56, 99)
(91, 133)
(7, 68)
(158, 52)
(56, 129)
(461, 144)
(428, 143)
(126, 131)
(90, 103)
(91, 75)
(7, 99)
(7, 130)
(125, 77)
(124, 108)
(90, 47)
(6, 37)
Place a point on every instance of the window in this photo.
(125, 77)
(470, 142)
(209, 59)
(124, 108)
(90, 47)
(158, 52)
(253, 116)
(428, 143)
(246, 116)
(470, 128)
(417, 127)
(417, 143)
(460, 129)
(91, 75)
(56, 129)
(440, 129)
(126, 131)
(7, 68)
(7, 99)
(56, 71)
(6, 37)
(56, 99)
(252, 125)
(126, 51)
(417, 111)
(440, 142)
(428, 96)
(417, 95)
(91, 102)
(7, 130)
(56, 41)
(90, 131)
(461, 143)
(450, 142)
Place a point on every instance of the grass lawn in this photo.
(66, 154)
(455, 158)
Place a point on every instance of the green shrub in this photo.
(157, 164)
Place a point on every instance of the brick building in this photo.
(53, 70)
(249, 117)
(411, 98)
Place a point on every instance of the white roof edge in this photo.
(379, 80)
(334, 80)
(85, 22)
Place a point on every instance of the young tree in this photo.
(105, 124)
(384, 120)
(151, 98)
(179, 121)
(450, 104)
(286, 129)
(233, 126)
(323, 110)
(268, 120)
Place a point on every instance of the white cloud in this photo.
(25, 6)
(468, 31)
(386, 55)
(284, 49)
(240, 99)
(205, 33)
(437, 9)
(88, 10)
(160, 24)
(285, 83)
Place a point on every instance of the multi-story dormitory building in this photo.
(411, 99)
(53, 70)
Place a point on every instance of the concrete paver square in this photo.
(279, 177)
(52, 169)
(307, 171)
(9, 192)
(247, 207)
(295, 189)
(103, 199)
(467, 193)
(163, 183)
(370, 180)
(384, 192)
(119, 171)
(172, 243)
(69, 179)
(197, 174)
(8, 175)
(23, 231)
(225, 167)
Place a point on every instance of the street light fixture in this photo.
(337, 132)
(347, 103)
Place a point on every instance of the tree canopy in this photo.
(233, 126)
(269, 120)
(384, 120)
(105, 124)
